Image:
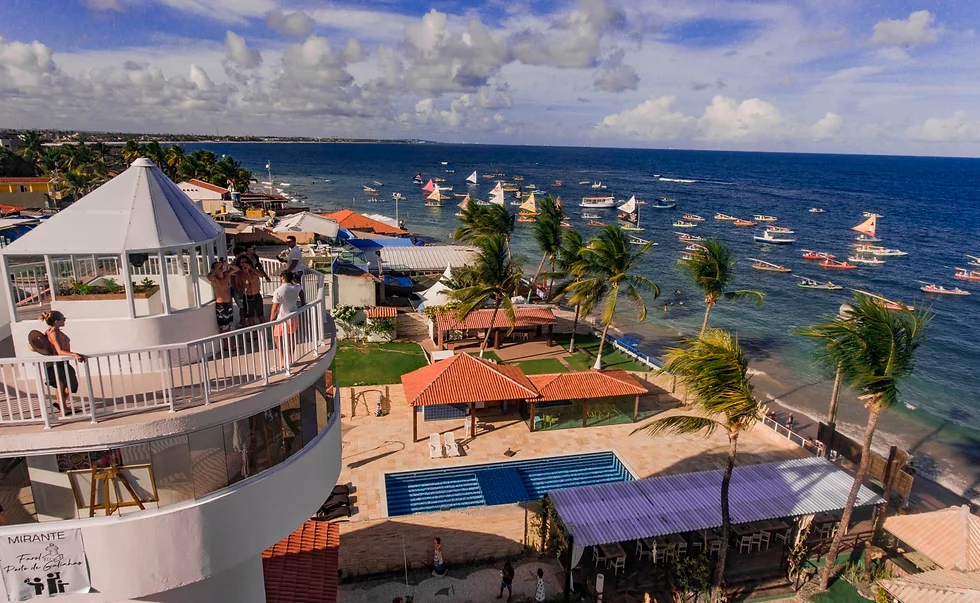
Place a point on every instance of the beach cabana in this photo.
(578, 399)
(529, 319)
(457, 386)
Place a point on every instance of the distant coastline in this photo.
(113, 138)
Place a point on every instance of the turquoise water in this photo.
(929, 208)
(497, 483)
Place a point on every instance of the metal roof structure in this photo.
(138, 210)
(937, 586)
(950, 537)
(674, 504)
(427, 258)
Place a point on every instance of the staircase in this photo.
(412, 326)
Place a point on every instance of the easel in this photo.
(105, 476)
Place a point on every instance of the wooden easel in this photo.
(108, 477)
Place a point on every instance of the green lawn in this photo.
(841, 591)
(586, 347)
(376, 363)
(540, 366)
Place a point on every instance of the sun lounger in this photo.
(452, 448)
(435, 446)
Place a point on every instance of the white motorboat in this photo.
(816, 210)
(868, 260)
(598, 202)
(769, 238)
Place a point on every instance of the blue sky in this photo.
(808, 75)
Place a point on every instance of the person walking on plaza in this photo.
(437, 559)
(506, 580)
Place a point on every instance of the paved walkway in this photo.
(456, 587)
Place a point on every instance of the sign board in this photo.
(40, 565)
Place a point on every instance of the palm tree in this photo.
(569, 265)
(76, 183)
(31, 148)
(548, 235)
(480, 222)
(609, 263)
(714, 368)
(130, 151)
(874, 349)
(495, 276)
(712, 268)
(174, 157)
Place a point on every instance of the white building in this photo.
(182, 454)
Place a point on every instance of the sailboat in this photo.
(768, 266)
(435, 198)
(867, 230)
(462, 205)
(471, 179)
(418, 178)
(530, 207)
(429, 186)
(635, 240)
(497, 194)
(631, 215)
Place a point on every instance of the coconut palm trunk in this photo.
(874, 410)
(544, 256)
(707, 311)
(493, 319)
(602, 342)
(726, 519)
(571, 341)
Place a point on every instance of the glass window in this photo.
(207, 457)
(172, 469)
(16, 497)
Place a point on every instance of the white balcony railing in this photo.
(170, 376)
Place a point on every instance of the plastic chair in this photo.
(757, 541)
(642, 550)
(764, 539)
(616, 564)
(782, 536)
(597, 556)
(659, 554)
(745, 544)
(714, 546)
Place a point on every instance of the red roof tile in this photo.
(302, 567)
(6, 210)
(586, 385)
(25, 179)
(208, 186)
(381, 312)
(355, 221)
(480, 319)
(463, 379)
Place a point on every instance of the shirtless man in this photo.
(248, 282)
(220, 278)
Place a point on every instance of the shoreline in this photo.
(947, 464)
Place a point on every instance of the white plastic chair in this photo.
(452, 448)
(641, 550)
(435, 446)
(616, 564)
(764, 539)
(757, 541)
(597, 555)
(745, 544)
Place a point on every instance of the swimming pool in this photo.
(498, 483)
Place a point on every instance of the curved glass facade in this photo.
(164, 471)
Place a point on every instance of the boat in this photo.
(967, 275)
(418, 178)
(868, 260)
(817, 255)
(397, 196)
(683, 237)
(443, 163)
(556, 183)
(450, 171)
(686, 256)
(767, 237)
(809, 283)
(595, 223)
(530, 207)
(497, 194)
(684, 224)
(598, 202)
(744, 223)
(566, 224)
(585, 182)
(635, 240)
(780, 230)
(376, 183)
(598, 185)
(940, 290)
(368, 189)
(762, 218)
(435, 198)
(462, 205)
(630, 215)
(693, 218)
(488, 176)
(527, 218)
(895, 306)
(511, 188)
(531, 187)
(591, 215)
(816, 210)
(284, 184)
(437, 179)
(664, 203)
(518, 178)
(869, 214)
(694, 248)
(974, 260)
(836, 265)
(768, 266)
(725, 218)
(867, 230)
(882, 252)
(429, 186)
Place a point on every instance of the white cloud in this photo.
(25, 65)
(614, 76)
(751, 119)
(957, 128)
(571, 41)
(828, 127)
(917, 30)
(239, 52)
(653, 119)
(297, 24)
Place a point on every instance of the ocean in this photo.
(929, 207)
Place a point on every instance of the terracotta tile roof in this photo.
(937, 586)
(586, 384)
(302, 568)
(950, 537)
(25, 179)
(480, 319)
(463, 379)
(355, 221)
(207, 185)
(9, 209)
(381, 312)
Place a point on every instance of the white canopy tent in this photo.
(309, 222)
(438, 293)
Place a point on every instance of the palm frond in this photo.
(758, 297)
(679, 424)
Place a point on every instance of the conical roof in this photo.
(138, 210)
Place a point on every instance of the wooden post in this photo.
(496, 339)
(585, 412)
(551, 335)
(532, 416)
(472, 419)
(415, 424)
(636, 408)
(439, 338)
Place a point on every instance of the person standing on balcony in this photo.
(220, 279)
(61, 375)
(253, 256)
(285, 301)
(247, 284)
(292, 255)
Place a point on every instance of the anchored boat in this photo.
(763, 218)
(809, 283)
(725, 218)
(817, 255)
(684, 224)
(598, 202)
(767, 237)
(836, 265)
(768, 266)
(940, 290)
(744, 223)
(664, 203)
(693, 218)
(967, 275)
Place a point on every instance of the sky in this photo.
(884, 77)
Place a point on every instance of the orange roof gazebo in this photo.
(585, 386)
(464, 379)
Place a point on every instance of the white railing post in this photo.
(8, 283)
(91, 391)
(164, 284)
(206, 377)
(41, 398)
(170, 379)
(264, 352)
